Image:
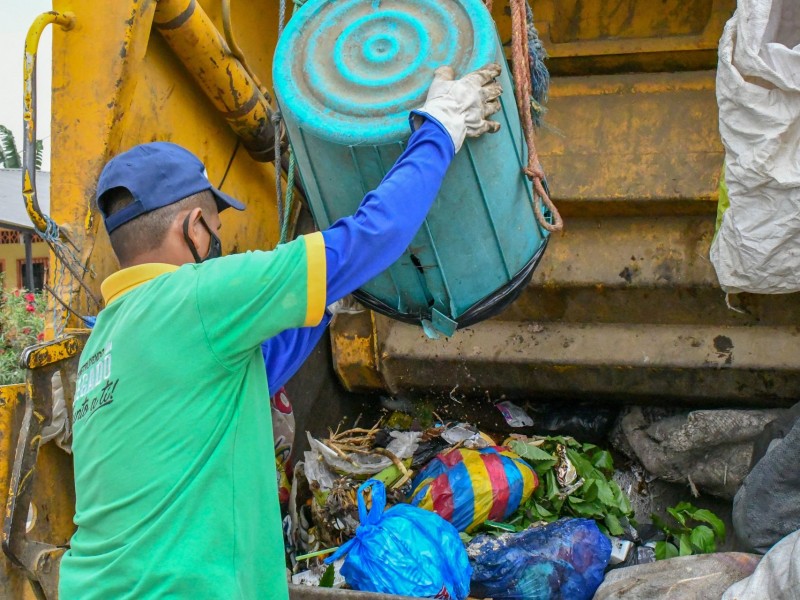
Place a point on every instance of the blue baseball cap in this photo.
(156, 175)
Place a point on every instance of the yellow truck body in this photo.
(624, 305)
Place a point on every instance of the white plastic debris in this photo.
(313, 576)
(403, 445)
(620, 549)
(514, 415)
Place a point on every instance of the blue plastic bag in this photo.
(565, 560)
(406, 551)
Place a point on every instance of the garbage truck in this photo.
(623, 307)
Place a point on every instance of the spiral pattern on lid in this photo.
(350, 71)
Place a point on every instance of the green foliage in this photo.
(21, 325)
(598, 497)
(695, 531)
(9, 155)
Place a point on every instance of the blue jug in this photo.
(346, 74)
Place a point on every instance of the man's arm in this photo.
(285, 353)
(356, 249)
(271, 292)
(359, 247)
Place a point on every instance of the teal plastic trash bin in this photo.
(346, 74)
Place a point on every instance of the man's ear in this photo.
(196, 231)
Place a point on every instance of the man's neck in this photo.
(155, 256)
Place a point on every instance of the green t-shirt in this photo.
(175, 482)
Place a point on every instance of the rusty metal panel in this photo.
(116, 83)
(611, 36)
(633, 137)
(578, 21)
(355, 352)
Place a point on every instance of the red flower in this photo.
(26, 330)
(30, 308)
(16, 293)
(40, 337)
(29, 297)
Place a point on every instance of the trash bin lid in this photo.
(351, 70)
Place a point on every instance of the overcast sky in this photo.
(15, 18)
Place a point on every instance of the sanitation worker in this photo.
(174, 466)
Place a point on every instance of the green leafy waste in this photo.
(694, 531)
(328, 577)
(598, 497)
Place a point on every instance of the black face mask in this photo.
(214, 247)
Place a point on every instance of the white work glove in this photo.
(463, 105)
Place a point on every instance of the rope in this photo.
(540, 76)
(276, 123)
(287, 204)
(281, 17)
(70, 270)
(520, 57)
(284, 204)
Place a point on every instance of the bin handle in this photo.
(42, 222)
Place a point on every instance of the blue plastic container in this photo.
(346, 75)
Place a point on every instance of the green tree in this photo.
(10, 158)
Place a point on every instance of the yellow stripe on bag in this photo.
(528, 477)
(481, 486)
(427, 499)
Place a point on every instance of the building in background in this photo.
(21, 250)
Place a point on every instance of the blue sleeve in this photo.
(359, 247)
(285, 353)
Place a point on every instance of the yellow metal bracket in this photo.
(37, 559)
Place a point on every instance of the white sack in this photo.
(757, 248)
(777, 577)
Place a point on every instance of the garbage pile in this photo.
(448, 510)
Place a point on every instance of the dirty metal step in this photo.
(304, 592)
(639, 270)
(618, 362)
(677, 305)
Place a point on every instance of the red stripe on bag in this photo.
(442, 497)
(451, 459)
(497, 476)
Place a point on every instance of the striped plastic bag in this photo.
(469, 487)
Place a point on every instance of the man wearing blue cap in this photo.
(174, 469)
